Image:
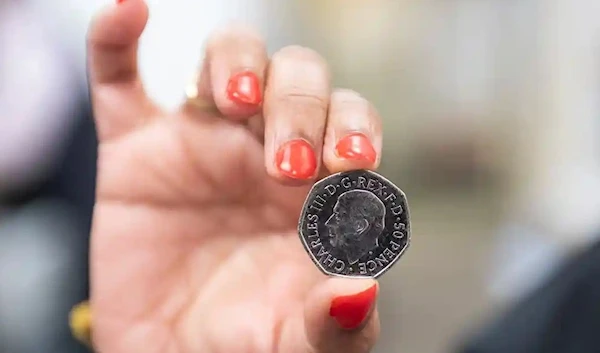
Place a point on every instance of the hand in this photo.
(194, 240)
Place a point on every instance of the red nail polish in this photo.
(356, 146)
(296, 159)
(351, 310)
(244, 88)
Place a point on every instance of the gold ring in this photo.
(80, 321)
(198, 103)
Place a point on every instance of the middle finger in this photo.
(295, 112)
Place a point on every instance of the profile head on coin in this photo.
(355, 224)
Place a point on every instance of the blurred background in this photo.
(491, 112)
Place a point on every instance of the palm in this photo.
(194, 242)
(191, 238)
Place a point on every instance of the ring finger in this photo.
(353, 137)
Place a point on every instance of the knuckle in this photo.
(301, 77)
(237, 33)
(297, 51)
(344, 95)
(295, 57)
(344, 100)
(305, 96)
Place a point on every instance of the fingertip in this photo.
(294, 162)
(354, 150)
(113, 68)
(356, 146)
(353, 139)
(119, 24)
(346, 303)
(239, 93)
(238, 60)
(341, 285)
(341, 313)
(352, 303)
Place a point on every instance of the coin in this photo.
(355, 224)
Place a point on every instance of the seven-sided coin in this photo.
(355, 224)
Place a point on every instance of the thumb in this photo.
(120, 102)
(341, 316)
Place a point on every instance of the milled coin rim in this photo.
(408, 225)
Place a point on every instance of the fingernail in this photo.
(120, 1)
(351, 310)
(356, 146)
(296, 159)
(244, 88)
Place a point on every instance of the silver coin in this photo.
(355, 224)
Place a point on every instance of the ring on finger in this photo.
(195, 100)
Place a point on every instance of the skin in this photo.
(194, 241)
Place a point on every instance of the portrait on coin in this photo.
(357, 221)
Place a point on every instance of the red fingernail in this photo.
(120, 1)
(296, 159)
(244, 87)
(356, 146)
(351, 310)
